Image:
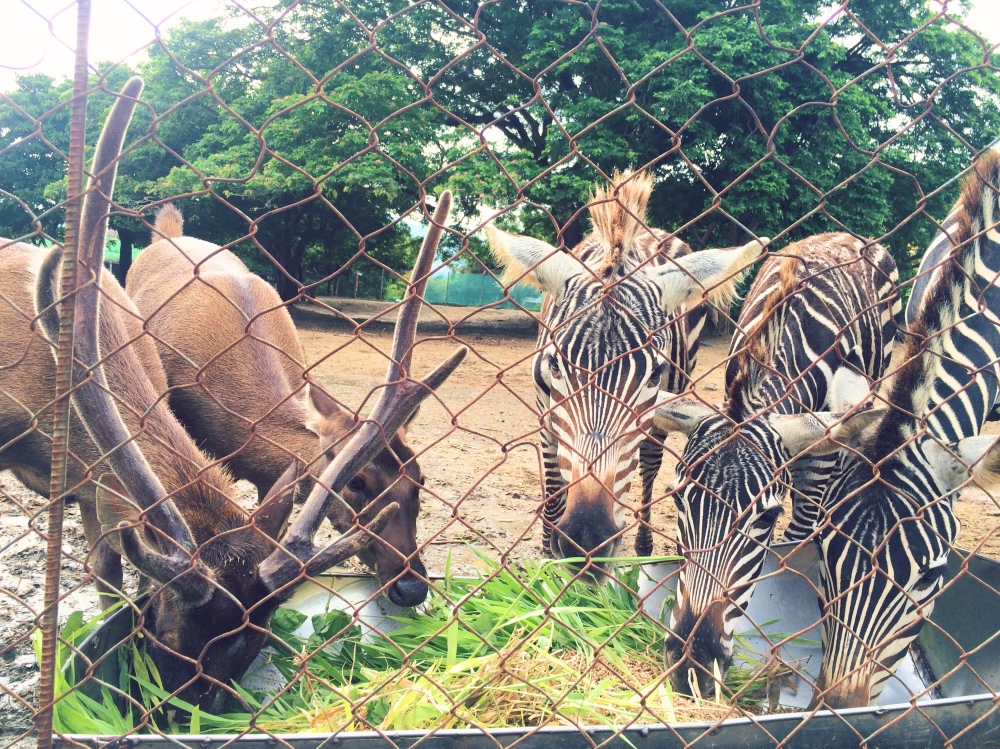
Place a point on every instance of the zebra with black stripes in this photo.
(889, 521)
(613, 316)
(817, 324)
(939, 252)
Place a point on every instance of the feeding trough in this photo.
(952, 692)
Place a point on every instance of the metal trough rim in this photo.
(931, 726)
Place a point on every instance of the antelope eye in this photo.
(928, 578)
(357, 484)
(767, 519)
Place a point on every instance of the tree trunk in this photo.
(288, 254)
(128, 239)
(286, 239)
(572, 234)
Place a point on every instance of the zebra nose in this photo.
(595, 547)
(847, 691)
(585, 531)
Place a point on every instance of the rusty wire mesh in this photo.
(314, 142)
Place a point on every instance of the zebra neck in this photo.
(772, 392)
(952, 372)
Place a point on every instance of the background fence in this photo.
(479, 290)
(366, 146)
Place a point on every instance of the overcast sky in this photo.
(38, 35)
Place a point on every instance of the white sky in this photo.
(39, 35)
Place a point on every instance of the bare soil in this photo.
(477, 445)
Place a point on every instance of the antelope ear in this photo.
(114, 505)
(979, 456)
(683, 280)
(823, 432)
(532, 260)
(322, 402)
(675, 414)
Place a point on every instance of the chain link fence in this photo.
(236, 505)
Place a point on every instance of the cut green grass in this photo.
(521, 646)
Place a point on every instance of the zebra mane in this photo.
(755, 358)
(618, 213)
(954, 279)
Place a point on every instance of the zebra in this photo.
(888, 518)
(603, 344)
(818, 322)
(937, 253)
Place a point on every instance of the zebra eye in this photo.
(656, 374)
(928, 579)
(554, 368)
(767, 519)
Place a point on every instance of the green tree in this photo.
(796, 127)
(311, 133)
(321, 159)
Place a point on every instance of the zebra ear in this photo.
(533, 261)
(675, 414)
(848, 390)
(713, 273)
(979, 456)
(823, 432)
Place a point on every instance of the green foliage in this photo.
(468, 618)
(310, 144)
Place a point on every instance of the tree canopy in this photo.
(312, 132)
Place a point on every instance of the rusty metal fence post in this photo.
(49, 623)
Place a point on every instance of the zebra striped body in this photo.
(843, 313)
(825, 303)
(890, 523)
(613, 326)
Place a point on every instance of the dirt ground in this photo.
(477, 445)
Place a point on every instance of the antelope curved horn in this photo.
(91, 396)
(399, 398)
(191, 581)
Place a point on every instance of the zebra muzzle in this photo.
(695, 651)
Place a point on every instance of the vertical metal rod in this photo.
(64, 380)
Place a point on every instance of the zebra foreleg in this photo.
(650, 460)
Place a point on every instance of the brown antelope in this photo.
(238, 382)
(217, 572)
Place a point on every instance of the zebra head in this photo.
(885, 539)
(600, 353)
(732, 481)
(890, 522)
(730, 488)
